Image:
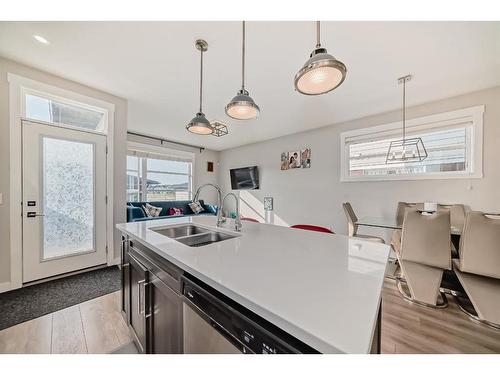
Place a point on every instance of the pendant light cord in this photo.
(318, 34)
(201, 80)
(243, 58)
(404, 109)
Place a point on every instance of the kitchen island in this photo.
(323, 290)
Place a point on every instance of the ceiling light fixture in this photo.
(321, 73)
(41, 39)
(406, 150)
(242, 106)
(199, 124)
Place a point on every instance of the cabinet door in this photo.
(139, 301)
(166, 319)
(125, 281)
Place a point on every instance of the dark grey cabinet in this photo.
(139, 303)
(166, 319)
(125, 272)
(151, 300)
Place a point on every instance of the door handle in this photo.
(33, 214)
(141, 301)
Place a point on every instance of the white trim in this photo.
(19, 85)
(5, 287)
(472, 115)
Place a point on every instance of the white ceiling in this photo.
(156, 67)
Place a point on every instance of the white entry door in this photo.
(64, 200)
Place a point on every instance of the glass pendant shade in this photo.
(320, 74)
(242, 107)
(200, 125)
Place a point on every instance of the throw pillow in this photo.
(174, 211)
(151, 211)
(196, 207)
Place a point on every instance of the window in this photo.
(158, 175)
(453, 141)
(45, 107)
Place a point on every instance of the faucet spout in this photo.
(220, 219)
(237, 221)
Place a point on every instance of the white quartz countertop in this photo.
(321, 288)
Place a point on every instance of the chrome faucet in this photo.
(220, 219)
(237, 221)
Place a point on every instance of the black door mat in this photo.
(21, 305)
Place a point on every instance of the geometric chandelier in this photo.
(406, 150)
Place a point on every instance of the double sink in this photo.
(193, 235)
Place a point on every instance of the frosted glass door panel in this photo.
(68, 197)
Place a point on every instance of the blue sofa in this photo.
(136, 213)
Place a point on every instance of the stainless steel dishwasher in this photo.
(213, 323)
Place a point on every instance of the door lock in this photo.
(33, 214)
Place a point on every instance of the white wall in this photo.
(120, 129)
(315, 195)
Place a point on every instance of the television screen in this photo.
(244, 178)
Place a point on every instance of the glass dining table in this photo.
(390, 223)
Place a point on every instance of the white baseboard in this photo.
(114, 262)
(5, 287)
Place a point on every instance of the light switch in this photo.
(1, 198)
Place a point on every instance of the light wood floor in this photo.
(96, 326)
(409, 328)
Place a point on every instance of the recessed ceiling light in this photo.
(41, 39)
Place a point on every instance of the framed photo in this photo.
(294, 159)
(284, 161)
(305, 158)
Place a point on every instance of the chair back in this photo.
(402, 207)
(249, 219)
(426, 238)
(313, 228)
(352, 227)
(480, 244)
(457, 215)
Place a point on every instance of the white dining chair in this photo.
(352, 226)
(478, 268)
(424, 255)
(400, 214)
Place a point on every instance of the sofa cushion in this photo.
(151, 211)
(196, 207)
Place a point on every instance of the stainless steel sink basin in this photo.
(204, 239)
(193, 235)
(180, 231)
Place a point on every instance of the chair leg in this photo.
(423, 283)
(466, 306)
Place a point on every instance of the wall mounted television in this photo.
(245, 178)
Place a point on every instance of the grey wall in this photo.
(315, 195)
(119, 162)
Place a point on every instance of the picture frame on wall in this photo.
(305, 158)
(296, 159)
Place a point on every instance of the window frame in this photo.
(451, 119)
(25, 91)
(166, 153)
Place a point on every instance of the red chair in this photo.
(314, 228)
(249, 219)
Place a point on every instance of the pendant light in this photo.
(406, 150)
(321, 73)
(199, 124)
(242, 106)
